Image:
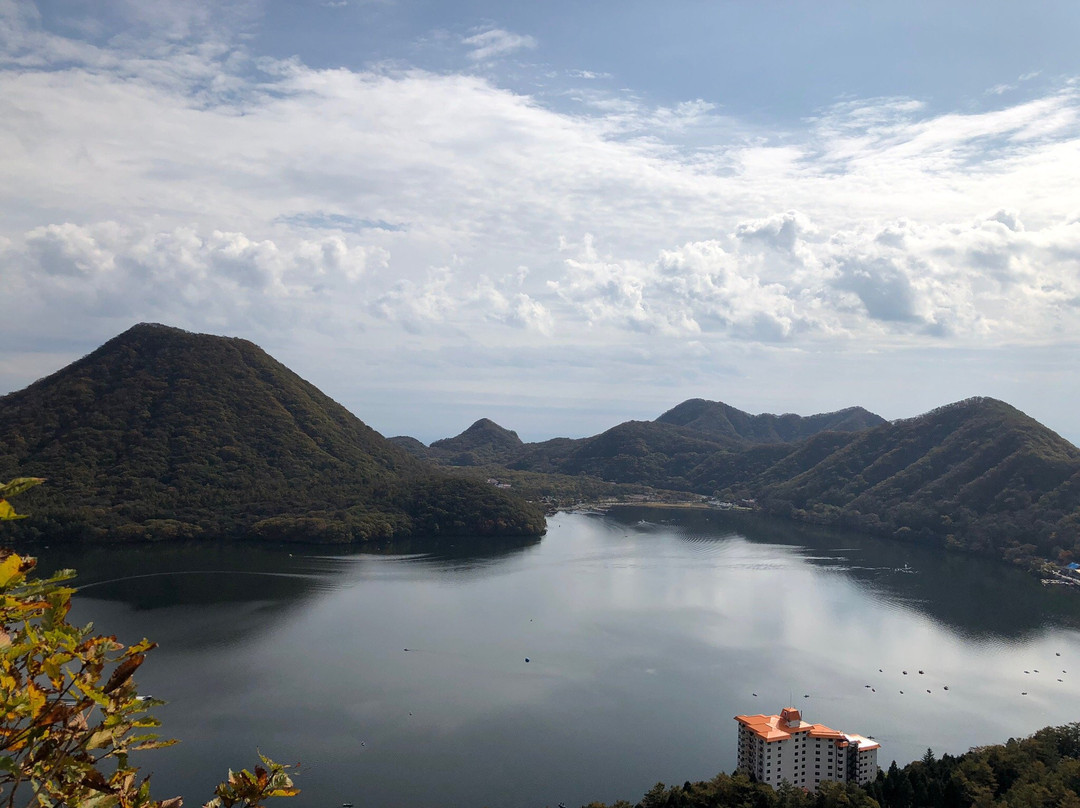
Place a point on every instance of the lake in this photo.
(587, 665)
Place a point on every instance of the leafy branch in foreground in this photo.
(246, 789)
(10, 489)
(70, 713)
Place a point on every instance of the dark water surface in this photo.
(646, 632)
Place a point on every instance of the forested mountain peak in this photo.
(162, 432)
(484, 431)
(483, 442)
(715, 419)
(977, 474)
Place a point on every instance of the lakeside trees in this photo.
(1040, 771)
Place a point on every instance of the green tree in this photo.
(70, 713)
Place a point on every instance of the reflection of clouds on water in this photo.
(642, 645)
(969, 595)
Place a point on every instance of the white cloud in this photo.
(588, 74)
(494, 42)
(185, 180)
(264, 186)
(184, 275)
(779, 278)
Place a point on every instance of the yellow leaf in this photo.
(18, 485)
(7, 512)
(99, 739)
(36, 697)
(100, 801)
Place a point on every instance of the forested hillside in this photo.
(719, 420)
(161, 433)
(676, 451)
(978, 474)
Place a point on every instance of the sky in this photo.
(556, 215)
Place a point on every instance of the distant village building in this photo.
(774, 748)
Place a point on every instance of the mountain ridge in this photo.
(161, 432)
(976, 474)
(699, 425)
(717, 419)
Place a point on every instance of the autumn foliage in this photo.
(70, 712)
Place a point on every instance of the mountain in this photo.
(163, 433)
(665, 453)
(642, 452)
(977, 474)
(715, 419)
(482, 443)
(687, 447)
(411, 445)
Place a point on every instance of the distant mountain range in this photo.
(161, 433)
(977, 474)
(676, 451)
(719, 421)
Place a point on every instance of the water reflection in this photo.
(974, 597)
(645, 632)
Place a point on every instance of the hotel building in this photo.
(774, 748)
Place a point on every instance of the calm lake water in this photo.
(645, 633)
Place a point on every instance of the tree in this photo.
(70, 713)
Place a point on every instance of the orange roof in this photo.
(789, 722)
(822, 731)
(790, 714)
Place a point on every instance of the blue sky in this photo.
(557, 215)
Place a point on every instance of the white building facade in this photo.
(774, 748)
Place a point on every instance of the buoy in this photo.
(946, 687)
(526, 659)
